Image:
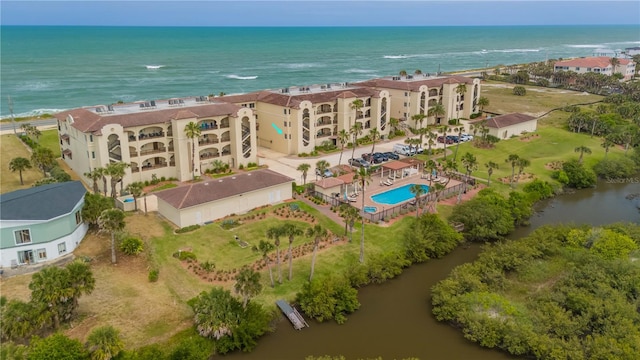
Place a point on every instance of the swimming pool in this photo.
(370, 209)
(397, 195)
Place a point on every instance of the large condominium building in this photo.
(152, 137)
(297, 119)
(415, 94)
(599, 65)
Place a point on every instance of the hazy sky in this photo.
(318, 13)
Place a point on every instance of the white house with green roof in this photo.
(41, 223)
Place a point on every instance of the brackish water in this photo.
(395, 321)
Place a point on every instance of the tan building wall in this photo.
(238, 204)
(517, 129)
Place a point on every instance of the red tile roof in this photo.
(293, 100)
(592, 62)
(212, 190)
(88, 121)
(329, 182)
(414, 85)
(508, 120)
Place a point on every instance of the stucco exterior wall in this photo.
(518, 129)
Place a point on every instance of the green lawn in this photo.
(213, 243)
(50, 140)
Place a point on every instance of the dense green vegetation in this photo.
(561, 293)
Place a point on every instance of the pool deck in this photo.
(376, 186)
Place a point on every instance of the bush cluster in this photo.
(187, 229)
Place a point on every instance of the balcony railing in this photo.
(324, 123)
(224, 125)
(152, 151)
(209, 155)
(225, 139)
(322, 135)
(153, 166)
(114, 145)
(208, 141)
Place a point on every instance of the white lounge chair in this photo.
(388, 182)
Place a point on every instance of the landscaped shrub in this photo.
(579, 177)
(208, 266)
(615, 168)
(331, 298)
(185, 255)
(539, 190)
(229, 224)
(519, 90)
(188, 228)
(131, 246)
(153, 275)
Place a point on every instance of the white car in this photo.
(466, 137)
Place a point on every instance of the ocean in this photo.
(49, 69)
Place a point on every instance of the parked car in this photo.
(454, 138)
(327, 173)
(359, 162)
(403, 150)
(371, 158)
(392, 156)
(442, 139)
(418, 150)
(466, 137)
(381, 156)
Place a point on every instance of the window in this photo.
(252, 105)
(285, 111)
(93, 154)
(405, 104)
(23, 236)
(62, 248)
(588, 69)
(406, 93)
(91, 138)
(577, 68)
(78, 218)
(42, 254)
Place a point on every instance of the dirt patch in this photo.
(554, 165)
(522, 178)
(472, 192)
(529, 137)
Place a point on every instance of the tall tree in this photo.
(193, 131)
(512, 159)
(374, 134)
(522, 163)
(265, 248)
(355, 131)
(275, 233)
(431, 140)
(418, 119)
(304, 168)
(607, 143)
(343, 139)
(94, 205)
(116, 171)
(290, 231)
(582, 150)
(80, 279)
(349, 214)
(417, 190)
(490, 167)
(43, 158)
(614, 63)
(19, 164)
(436, 111)
(318, 233)
(461, 89)
(104, 343)
(94, 175)
(112, 222)
(470, 164)
(247, 284)
(363, 177)
(135, 189)
(322, 166)
(394, 123)
(443, 129)
(458, 130)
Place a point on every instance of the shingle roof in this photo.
(593, 62)
(88, 121)
(41, 202)
(203, 192)
(329, 182)
(508, 120)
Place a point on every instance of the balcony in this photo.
(152, 151)
(209, 155)
(153, 166)
(225, 139)
(208, 141)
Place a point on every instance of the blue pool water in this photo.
(127, 200)
(370, 209)
(397, 195)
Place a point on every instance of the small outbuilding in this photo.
(505, 126)
(41, 223)
(210, 200)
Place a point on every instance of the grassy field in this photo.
(11, 147)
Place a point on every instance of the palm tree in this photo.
(274, 233)
(443, 130)
(418, 119)
(355, 131)
(470, 164)
(247, 284)
(461, 89)
(418, 72)
(343, 139)
(103, 173)
(436, 111)
(304, 168)
(458, 130)
(582, 150)
(112, 221)
(490, 166)
(350, 214)
(417, 190)
(607, 143)
(317, 233)
(322, 166)
(117, 171)
(265, 248)
(522, 163)
(513, 160)
(482, 102)
(135, 189)
(19, 164)
(363, 177)
(394, 123)
(374, 134)
(403, 72)
(94, 175)
(43, 158)
(104, 343)
(614, 62)
(290, 231)
(81, 279)
(431, 140)
(192, 130)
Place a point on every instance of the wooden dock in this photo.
(292, 314)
